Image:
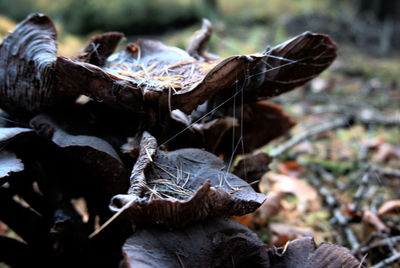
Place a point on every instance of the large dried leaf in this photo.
(389, 207)
(303, 253)
(150, 72)
(373, 220)
(171, 78)
(27, 77)
(212, 243)
(182, 186)
(261, 123)
(98, 156)
(306, 194)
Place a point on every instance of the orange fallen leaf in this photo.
(386, 152)
(306, 194)
(390, 207)
(247, 220)
(291, 168)
(373, 220)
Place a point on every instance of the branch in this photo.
(342, 220)
(342, 122)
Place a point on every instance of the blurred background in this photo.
(370, 26)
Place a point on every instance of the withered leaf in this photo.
(9, 163)
(98, 155)
(182, 186)
(252, 168)
(150, 72)
(197, 43)
(303, 253)
(211, 243)
(262, 122)
(306, 194)
(392, 206)
(373, 219)
(100, 48)
(27, 74)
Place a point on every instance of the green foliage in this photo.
(130, 17)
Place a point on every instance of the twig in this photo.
(337, 214)
(342, 122)
(180, 260)
(387, 172)
(360, 192)
(127, 205)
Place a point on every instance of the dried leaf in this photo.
(182, 186)
(100, 48)
(253, 167)
(372, 219)
(290, 168)
(170, 78)
(27, 79)
(262, 122)
(150, 72)
(212, 243)
(216, 134)
(272, 206)
(387, 151)
(99, 156)
(198, 42)
(306, 194)
(390, 207)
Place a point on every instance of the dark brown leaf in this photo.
(212, 243)
(373, 219)
(252, 168)
(100, 48)
(262, 122)
(272, 206)
(99, 156)
(182, 186)
(150, 72)
(170, 78)
(27, 78)
(303, 253)
(390, 207)
(197, 43)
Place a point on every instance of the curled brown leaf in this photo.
(392, 206)
(182, 186)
